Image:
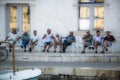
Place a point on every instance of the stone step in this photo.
(65, 57)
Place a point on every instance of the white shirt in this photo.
(13, 36)
(97, 38)
(34, 38)
(48, 38)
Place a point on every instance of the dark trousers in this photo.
(65, 44)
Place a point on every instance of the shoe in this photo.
(30, 50)
(25, 50)
(89, 48)
(21, 47)
(95, 51)
(102, 51)
(43, 50)
(10, 50)
(85, 46)
(83, 52)
(47, 50)
(54, 51)
(106, 49)
(93, 48)
(60, 51)
(63, 51)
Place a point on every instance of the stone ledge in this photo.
(66, 57)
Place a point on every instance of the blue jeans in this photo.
(65, 44)
(25, 43)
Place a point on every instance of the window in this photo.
(98, 18)
(84, 18)
(91, 15)
(19, 17)
(25, 18)
(13, 17)
(99, 1)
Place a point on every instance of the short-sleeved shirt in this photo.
(109, 38)
(34, 38)
(97, 39)
(25, 37)
(13, 36)
(88, 38)
(70, 38)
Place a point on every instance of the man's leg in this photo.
(85, 46)
(55, 46)
(64, 45)
(10, 46)
(45, 45)
(24, 42)
(50, 45)
(60, 44)
(95, 46)
(104, 46)
(32, 46)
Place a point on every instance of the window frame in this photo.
(91, 5)
(19, 16)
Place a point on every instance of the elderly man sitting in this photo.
(108, 40)
(48, 40)
(97, 40)
(34, 40)
(87, 40)
(13, 36)
(68, 41)
(57, 41)
(25, 40)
